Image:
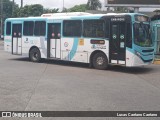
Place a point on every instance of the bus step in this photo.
(54, 58)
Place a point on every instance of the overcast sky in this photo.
(55, 3)
(67, 3)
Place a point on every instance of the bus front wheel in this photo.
(35, 55)
(100, 61)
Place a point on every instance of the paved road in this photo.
(65, 86)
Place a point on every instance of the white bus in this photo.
(97, 39)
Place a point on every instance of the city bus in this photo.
(155, 26)
(98, 39)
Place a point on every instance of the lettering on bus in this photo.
(95, 46)
(117, 19)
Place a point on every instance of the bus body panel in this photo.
(8, 44)
(134, 60)
(80, 49)
(29, 42)
(77, 49)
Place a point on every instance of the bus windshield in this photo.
(142, 35)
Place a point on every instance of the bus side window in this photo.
(8, 28)
(158, 41)
(129, 35)
(40, 28)
(28, 28)
(72, 28)
(93, 28)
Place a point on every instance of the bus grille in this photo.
(151, 50)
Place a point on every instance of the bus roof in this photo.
(73, 15)
(65, 14)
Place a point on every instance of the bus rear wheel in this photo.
(35, 55)
(100, 61)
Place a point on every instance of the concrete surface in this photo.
(64, 86)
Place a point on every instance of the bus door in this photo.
(17, 39)
(117, 43)
(54, 40)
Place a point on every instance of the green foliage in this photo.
(31, 10)
(13, 10)
(46, 10)
(94, 5)
(78, 8)
(157, 11)
(7, 9)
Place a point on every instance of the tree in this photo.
(31, 10)
(94, 5)
(78, 8)
(47, 10)
(8, 9)
(157, 11)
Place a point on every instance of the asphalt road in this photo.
(65, 86)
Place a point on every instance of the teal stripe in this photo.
(74, 49)
(7, 40)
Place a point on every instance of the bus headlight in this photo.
(138, 54)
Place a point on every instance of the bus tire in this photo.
(100, 61)
(35, 55)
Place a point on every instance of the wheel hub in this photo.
(100, 60)
(35, 55)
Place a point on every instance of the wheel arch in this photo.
(92, 54)
(33, 48)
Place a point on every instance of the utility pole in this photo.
(12, 8)
(1, 17)
(63, 6)
(21, 3)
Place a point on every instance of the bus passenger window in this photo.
(72, 28)
(40, 28)
(28, 28)
(93, 28)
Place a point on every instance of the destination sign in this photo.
(117, 19)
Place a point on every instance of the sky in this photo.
(55, 3)
(67, 3)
